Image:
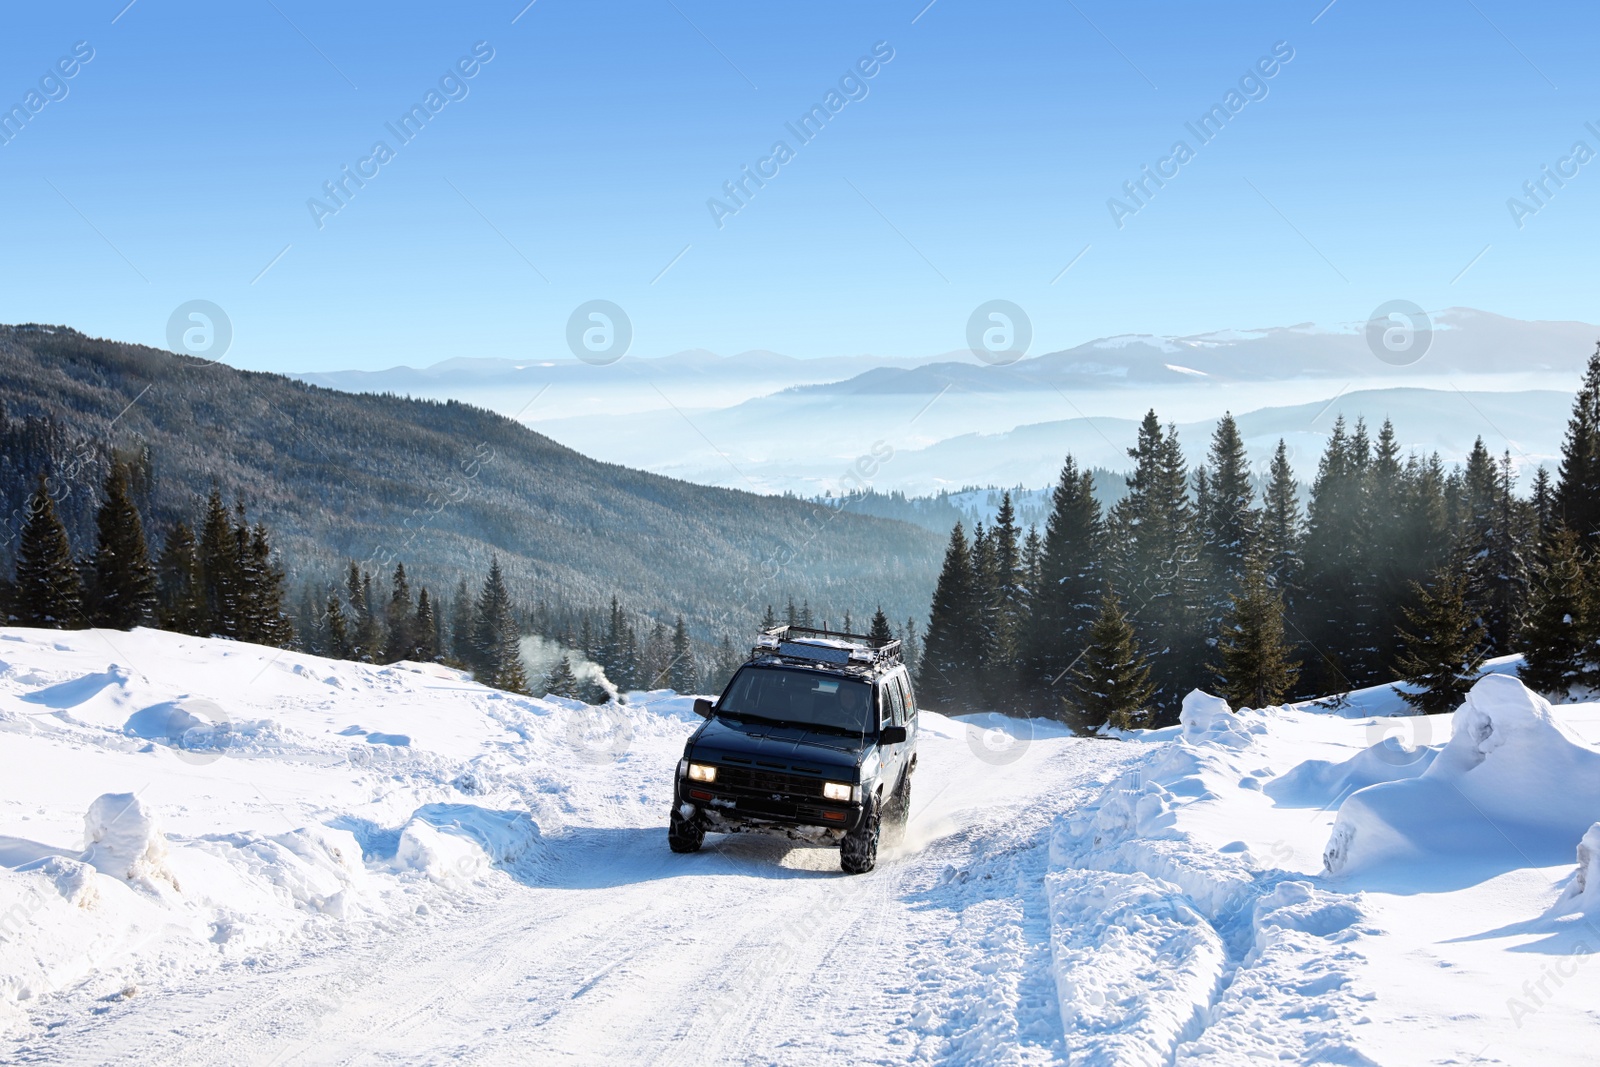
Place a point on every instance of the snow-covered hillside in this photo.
(219, 853)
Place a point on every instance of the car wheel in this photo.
(684, 835)
(858, 852)
(898, 812)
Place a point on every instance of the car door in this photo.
(893, 756)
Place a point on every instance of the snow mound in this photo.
(1315, 783)
(1511, 784)
(458, 842)
(1583, 892)
(1135, 964)
(122, 840)
(1208, 719)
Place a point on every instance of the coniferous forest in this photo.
(1391, 568)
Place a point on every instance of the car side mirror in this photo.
(702, 707)
(892, 735)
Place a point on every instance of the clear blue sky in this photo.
(978, 165)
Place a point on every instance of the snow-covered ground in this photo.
(217, 853)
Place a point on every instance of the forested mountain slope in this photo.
(439, 486)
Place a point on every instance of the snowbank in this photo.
(170, 803)
(1511, 786)
(1167, 949)
(1582, 894)
(121, 840)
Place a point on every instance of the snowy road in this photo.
(392, 865)
(611, 949)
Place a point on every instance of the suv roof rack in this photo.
(811, 646)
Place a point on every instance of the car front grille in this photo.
(767, 783)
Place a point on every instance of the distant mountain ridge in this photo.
(441, 486)
(1464, 341)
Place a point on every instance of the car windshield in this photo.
(803, 698)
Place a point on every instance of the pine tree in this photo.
(683, 673)
(496, 638)
(123, 592)
(1443, 644)
(805, 618)
(338, 633)
(1155, 560)
(1255, 669)
(769, 620)
(1563, 622)
(1281, 522)
(1228, 531)
(791, 616)
(1111, 684)
(561, 681)
(401, 618)
(1544, 504)
(369, 628)
(426, 647)
(1577, 494)
(262, 618)
(219, 568)
(1334, 605)
(1010, 602)
(878, 632)
(49, 589)
(1071, 577)
(461, 624)
(948, 671)
(179, 588)
(910, 647)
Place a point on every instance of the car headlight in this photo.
(836, 791)
(702, 772)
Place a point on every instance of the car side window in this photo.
(897, 702)
(904, 685)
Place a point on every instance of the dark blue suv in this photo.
(815, 739)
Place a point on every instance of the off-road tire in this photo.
(684, 835)
(858, 852)
(897, 812)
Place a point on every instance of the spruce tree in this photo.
(179, 587)
(1007, 609)
(1071, 577)
(1255, 669)
(338, 633)
(561, 681)
(768, 621)
(48, 590)
(1281, 521)
(426, 635)
(1227, 522)
(400, 617)
(1155, 561)
(1577, 493)
(947, 677)
(219, 568)
(1443, 642)
(878, 632)
(262, 616)
(1562, 638)
(683, 672)
(496, 637)
(1111, 684)
(461, 626)
(123, 591)
(1335, 602)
